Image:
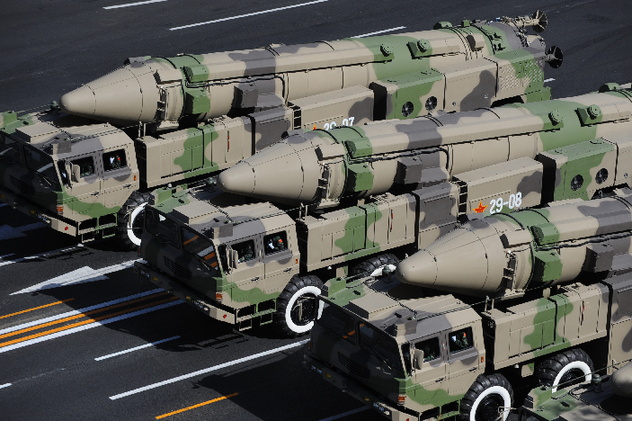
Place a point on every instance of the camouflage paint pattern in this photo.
(193, 115)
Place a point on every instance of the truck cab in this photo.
(408, 358)
(231, 262)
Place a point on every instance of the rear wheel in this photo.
(565, 368)
(131, 220)
(490, 398)
(297, 306)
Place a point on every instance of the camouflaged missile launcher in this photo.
(413, 353)
(365, 234)
(191, 116)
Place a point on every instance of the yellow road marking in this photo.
(84, 322)
(35, 308)
(188, 408)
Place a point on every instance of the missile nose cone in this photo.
(420, 269)
(128, 94)
(621, 381)
(238, 179)
(286, 172)
(468, 260)
(79, 102)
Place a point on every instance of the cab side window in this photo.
(114, 160)
(274, 243)
(460, 340)
(430, 347)
(86, 166)
(245, 251)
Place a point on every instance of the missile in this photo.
(621, 381)
(504, 255)
(323, 168)
(166, 90)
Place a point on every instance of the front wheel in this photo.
(131, 220)
(489, 399)
(297, 306)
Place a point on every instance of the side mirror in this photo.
(418, 359)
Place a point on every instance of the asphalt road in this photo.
(106, 345)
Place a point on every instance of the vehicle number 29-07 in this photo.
(333, 124)
(497, 205)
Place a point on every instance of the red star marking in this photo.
(480, 208)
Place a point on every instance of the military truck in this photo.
(604, 399)
(405, 184)
(557, 284)
(173, 120)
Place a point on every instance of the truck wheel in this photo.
(567, 367)
(297, 305)
(131, 220)
(489, 398)
(373, 264)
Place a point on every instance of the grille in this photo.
(353, 367)
(178, 270)
(22, 186)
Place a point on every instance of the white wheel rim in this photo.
(130, 224)
(498, 390)
(288, 310)
(580, 365)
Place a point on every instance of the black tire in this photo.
(486, 398)
(571, 366)
(297, 306)
(131, 220)
(373, 263)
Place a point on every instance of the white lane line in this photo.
(346, 414)
(380, 32)
(80, 311)
(41, 256)
(138, 3)
(78, 276)
(127, 351)
(262, 12)
(209, 369)
(8, 232)
(549, 80)
(2, 386)
(89, 326)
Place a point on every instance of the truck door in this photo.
(118, 181)
(432, 374)
(279, 260)
(463, 360)
(85, 188)
(247, 268)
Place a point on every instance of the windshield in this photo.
(160, 226)
(371, 340)
(43, 166)
(9, 149)
(200, 246)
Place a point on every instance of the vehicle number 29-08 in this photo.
(333, 124)
(497, 205)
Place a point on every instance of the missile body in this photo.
(168, 90)
(506, 254)
(621, 381)
(322, 168)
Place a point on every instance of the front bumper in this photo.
(357, 390)
(36, 211)
(189, 295)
